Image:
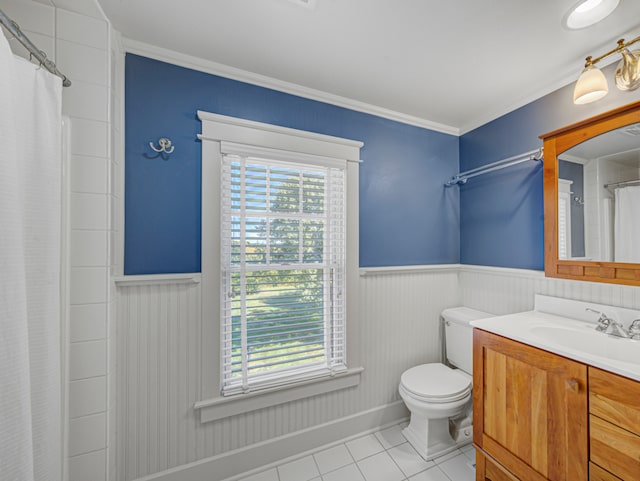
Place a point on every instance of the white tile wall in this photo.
(89, 211)
(89, 285)
(79, 44)
(80, 29)
(87, 434)
(87, 101)
(88, 467)
(82, 63)
(89, 174)
(32, 17)
(89, 248)
(94, 314)
(89, 137)
(94, 359)
(87, 396)
(88, 327)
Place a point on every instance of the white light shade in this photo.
(588, 12)
(591, 86)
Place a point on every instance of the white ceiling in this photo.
(450, 64)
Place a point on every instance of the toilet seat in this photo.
(435, 383)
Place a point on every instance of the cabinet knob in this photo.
(573, 385)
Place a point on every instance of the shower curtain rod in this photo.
(39, 55)
(614, 185)
(462, 177)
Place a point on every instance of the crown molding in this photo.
(214, 68)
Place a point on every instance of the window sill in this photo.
(153, 279)
(223, 407)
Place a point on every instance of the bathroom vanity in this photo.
(554, 399)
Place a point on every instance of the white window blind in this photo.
(283, 272)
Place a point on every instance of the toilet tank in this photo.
(458, 334)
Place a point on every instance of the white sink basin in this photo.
(572, 337)
(586, 339)
(581, 338)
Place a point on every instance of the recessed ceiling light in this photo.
(588, 12)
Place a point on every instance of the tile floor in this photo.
(382, 456)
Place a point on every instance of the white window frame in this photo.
(564, 219)
(260, 137)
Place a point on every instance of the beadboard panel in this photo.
(158, 357)
(157, 349)
(504, 291)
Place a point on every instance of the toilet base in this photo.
(432, 438)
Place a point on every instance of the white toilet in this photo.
(439, 397)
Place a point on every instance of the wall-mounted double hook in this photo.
(165, 146)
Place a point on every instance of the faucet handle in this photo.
(603, 321)
(634, 329)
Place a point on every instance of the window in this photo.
(564, 218)
(283, 264)
(280, 280)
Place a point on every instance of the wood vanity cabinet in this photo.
(530, 412)
(614, 427)
(488, 469)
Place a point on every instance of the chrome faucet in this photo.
(603, 322)
(611, 326)
(617, 329)
(634, 329)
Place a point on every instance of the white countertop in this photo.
(569, 337)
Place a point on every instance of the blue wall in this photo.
(406, 215)
(501, 221)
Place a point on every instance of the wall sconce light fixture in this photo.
(592, 84)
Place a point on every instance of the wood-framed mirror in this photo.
(592, 198)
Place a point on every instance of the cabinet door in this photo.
(596, 473)
(530, 409)
(488, 470)
(615, 424)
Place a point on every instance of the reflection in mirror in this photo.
(599, 198)
(570, 210)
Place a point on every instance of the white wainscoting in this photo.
(158, 366)
(158, 370)
(504, 291)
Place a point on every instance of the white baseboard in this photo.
(230, 465)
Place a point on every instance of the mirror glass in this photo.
(599, 198)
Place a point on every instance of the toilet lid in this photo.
(436, 382)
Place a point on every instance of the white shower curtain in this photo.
(30, 176)
(627, 224)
